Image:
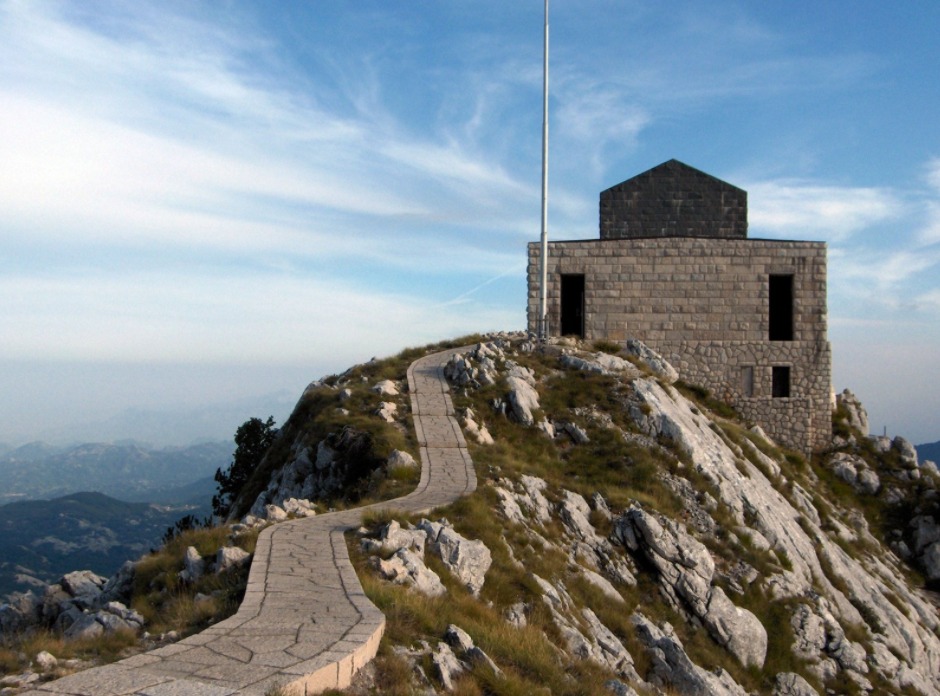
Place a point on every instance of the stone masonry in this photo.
(673, 200)
(704, 302)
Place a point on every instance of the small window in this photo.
(781, 381)
(781, 308)
(747, 380)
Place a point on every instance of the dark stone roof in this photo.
(673, 200)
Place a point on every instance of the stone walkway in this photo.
(305, 623)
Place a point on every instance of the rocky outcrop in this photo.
(686, 571)
(856, 415)
(652, 360)
(671, 667)
(467, 559)
(327, 469)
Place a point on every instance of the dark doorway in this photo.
(781, 381)
(781, 308)
(572, 304)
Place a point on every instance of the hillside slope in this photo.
(643, 539)
(628, 535)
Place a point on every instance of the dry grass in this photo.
(168, 604)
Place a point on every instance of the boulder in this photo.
(523, 399)
(274, 513)
(386, 388)
(299, 507)
(737, 629)
(467, 559)
(193, 565)
(119, 586)
(600, 363)
(407, 568)
(461, 641)
(393, 537)
(20, 611)
(83, 585)
(447, 666)
(46, 661)
(229, 557)
(387, 411)
(906, 451)
(400, 460)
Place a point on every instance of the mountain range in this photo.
(40, 540)
(128, 471)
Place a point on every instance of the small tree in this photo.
(252, 440)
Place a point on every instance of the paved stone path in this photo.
(305, 623)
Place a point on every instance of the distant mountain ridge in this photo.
(929, 451)
(126, 470)
(40, 540)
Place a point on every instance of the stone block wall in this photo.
(673, 200)
(704, 304)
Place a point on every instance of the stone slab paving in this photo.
(305, 623)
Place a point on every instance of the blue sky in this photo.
(202, 202)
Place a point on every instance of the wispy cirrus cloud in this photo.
(806, 210)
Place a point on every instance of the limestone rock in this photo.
(578, 434)
(653, 360)
(686, 570)
(298, 507)
(476, 430)
(407, 568)
(467, 559)
(857, 415)
(855, 471)
(400, 460)
(672, 668)
(447, 666)
(229, 557)
(83, 585)
(274, 513)
(18, 612)
(386, 388)
(460, 640)
(193, 565)
(46, 661)
(523, 399)
(906, 451)
(601, 363)
(393, 537)
(387, 411)
(792, 684)
(737, 629)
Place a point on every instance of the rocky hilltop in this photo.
(629, 534)
(642, 528)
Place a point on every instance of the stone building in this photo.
(744, 318)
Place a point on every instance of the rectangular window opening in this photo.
(781, 381)
(781, 308)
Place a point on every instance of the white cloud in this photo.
(802, 210)
(933, 173)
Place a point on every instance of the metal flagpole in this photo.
(543, 285)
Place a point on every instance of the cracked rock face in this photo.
(467, 559)
(686, 570)
(672, 668)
